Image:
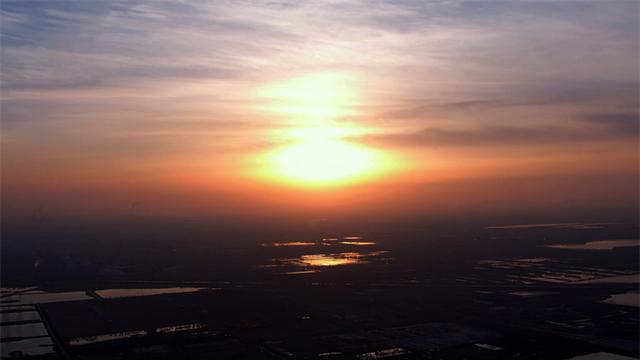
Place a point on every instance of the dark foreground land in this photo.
(473, 293)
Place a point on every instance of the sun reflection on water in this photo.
(291, 243)
(331, 259)
(357, 243)
(308, 263)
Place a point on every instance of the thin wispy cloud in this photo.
(152, 84)
(596, 128)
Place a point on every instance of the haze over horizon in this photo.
(348, 109)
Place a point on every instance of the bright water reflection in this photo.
(598, 245)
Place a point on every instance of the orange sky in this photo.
(337, 108)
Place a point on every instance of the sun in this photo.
(320, 145)
(324, 161)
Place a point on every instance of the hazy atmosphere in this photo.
(320, 180)
(209, 108)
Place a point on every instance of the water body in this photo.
(23, 330)
(16, 316)
(349, 240)
(555, 225)
(291, 243)
(27, 347)
(358, 243)
(12, 290)
(601, 356)
(41, 297)
(311, 262)
(106, 337)
(622, 279)
(380, 354)
(120, 293)
(179, 328)
(489, 347)
(336, 259)
(302, 272)
(331, 259)
(631, 298)
(531, 293)
(598, 245)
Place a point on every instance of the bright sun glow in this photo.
(319, 151)
(324, 160)
(313, 98)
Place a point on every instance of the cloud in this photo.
(111, 66)
(478, 45)
(583, 96)
(597, 127)
(58, 46)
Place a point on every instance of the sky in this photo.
(336, 108)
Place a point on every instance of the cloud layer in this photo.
(108, 91)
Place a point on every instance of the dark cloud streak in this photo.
(596, 127)
(625, 95)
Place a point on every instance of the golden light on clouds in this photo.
(312, 98)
